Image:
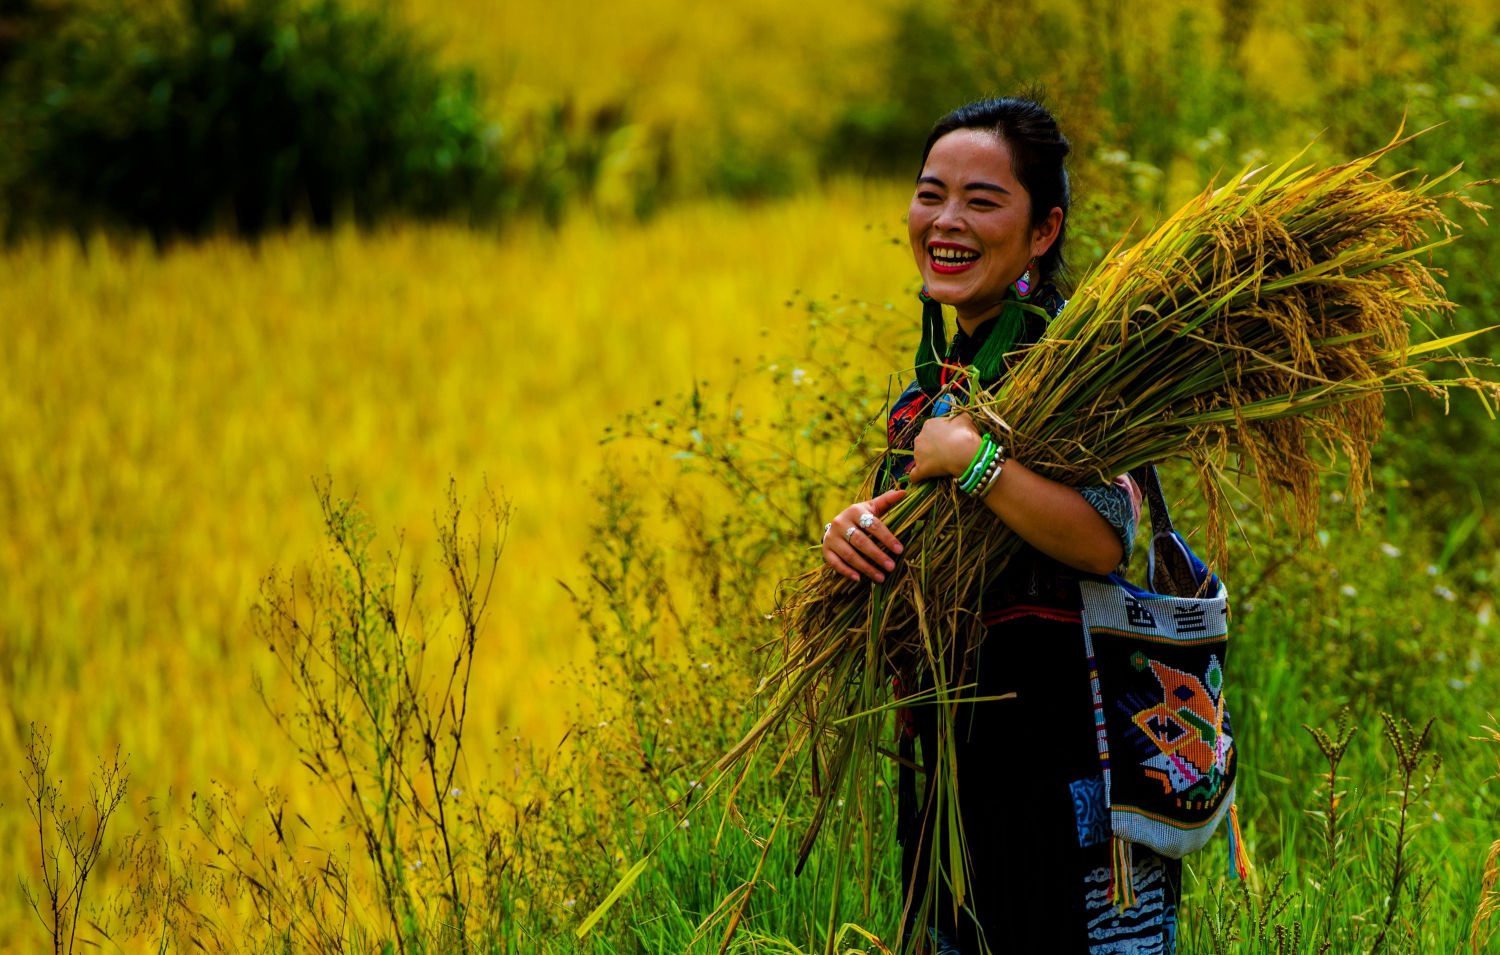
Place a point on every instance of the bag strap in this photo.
(1169, 570)
(1150, 483)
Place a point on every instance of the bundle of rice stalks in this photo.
(1257, 330)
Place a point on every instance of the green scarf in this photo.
(990, 362)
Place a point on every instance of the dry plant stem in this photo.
(1264, 322)
(373, 723)
(68, 846)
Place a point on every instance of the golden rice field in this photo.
(164, 415)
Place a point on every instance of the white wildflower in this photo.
(1390, 550)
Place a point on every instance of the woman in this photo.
(988, 223)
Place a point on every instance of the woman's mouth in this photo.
(947, 258)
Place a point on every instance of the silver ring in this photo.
(850, 532)
(865, 520)
(826, 528)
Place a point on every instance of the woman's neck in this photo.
(970, 321)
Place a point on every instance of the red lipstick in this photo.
(949, 258)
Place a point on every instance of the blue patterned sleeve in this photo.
(1118, 504)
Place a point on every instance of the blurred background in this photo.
(250, 244)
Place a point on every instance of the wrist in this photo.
(969, 444)
(984, 471)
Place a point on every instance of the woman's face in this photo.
(970, 222)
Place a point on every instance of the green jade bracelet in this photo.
(979, 468)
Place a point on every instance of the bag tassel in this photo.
(1122, 891)
(1239, 857)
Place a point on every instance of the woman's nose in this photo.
(949, 218)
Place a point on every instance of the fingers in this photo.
(866, 545)
(845, 551)
(852, 550)
(883, 537)
(920, 471)
(837, 563)
(878, 530)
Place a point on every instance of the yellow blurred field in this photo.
(163, 417)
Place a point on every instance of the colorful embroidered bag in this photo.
(1156, 664)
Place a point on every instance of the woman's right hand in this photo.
(852, 550)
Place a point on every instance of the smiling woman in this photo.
(987, 224)
(979, 235)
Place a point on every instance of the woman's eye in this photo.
(929, 197)
(984, 204)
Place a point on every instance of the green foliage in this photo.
(244, 115)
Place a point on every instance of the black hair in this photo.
(1039, 152)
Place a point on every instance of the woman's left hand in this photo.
(944, 448)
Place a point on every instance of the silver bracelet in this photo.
(991, 476)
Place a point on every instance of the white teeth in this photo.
(954, 256)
